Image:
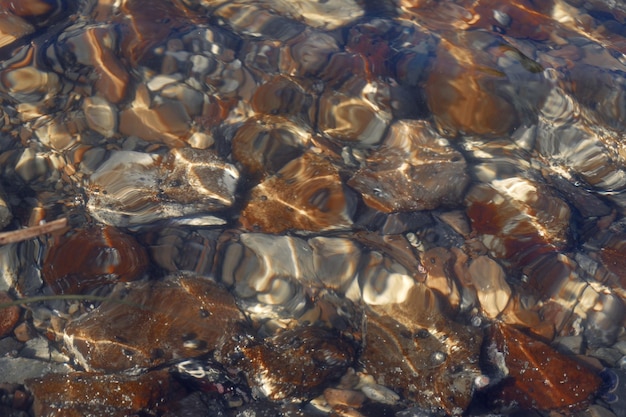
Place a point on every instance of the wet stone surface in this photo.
(302, 208)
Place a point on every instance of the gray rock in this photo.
(596, 411)
(608, 355)
(17, 370)
(9, 347)
(569, 344)
(36, 348)
(621, 346)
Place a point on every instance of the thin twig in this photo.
(32, 231)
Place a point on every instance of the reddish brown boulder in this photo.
(146, 324)
(9, 316)
(81, 393)
(539, 377)
(92, 257)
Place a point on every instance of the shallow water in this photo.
(414, 206)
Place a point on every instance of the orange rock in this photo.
(519, 219)
(141, 23)
(461, 93)
(93, 257)
(539, 377)
(28, 8)
(306, 194)
(9, 316)
(166, 122)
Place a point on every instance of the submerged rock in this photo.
(146, 324)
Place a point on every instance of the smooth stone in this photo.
(36, 348)
(10, 347)
(24, 332)
(5, 213)
(607, 355)
(596, 411)
(621, 346)
(17, 370)
(101, 116)
(569, 344)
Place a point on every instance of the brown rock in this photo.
(28, 8)
(306, 194)
(20, 400)
(413, 349)
(9, 316)
(284, 96)
(264, 145)
(489, 280)
(297, 364)
(539, 377)
(469, 89)
(518, 219)
(166, 122)
(81, 393)
(12, 28)
(414, 169)
(24, 332)
(438, 263)
(93, 47)
(93, 257)
(148, 323)
(358, 113)
(345, 397)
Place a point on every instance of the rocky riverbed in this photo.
(301, 208)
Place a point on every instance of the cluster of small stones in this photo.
(342, 208)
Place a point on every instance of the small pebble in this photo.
(569, 344)
(24, 332)
(621, 346)
(9, 347)
(379, 393)
(607, 355)
(36, 348)
(20, 400)
(58, 324)
(349, 398)
(349, 380)
(596, 411)
(10, 315)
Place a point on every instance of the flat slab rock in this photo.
(148, 323)
(81, 394)
(17, 370)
